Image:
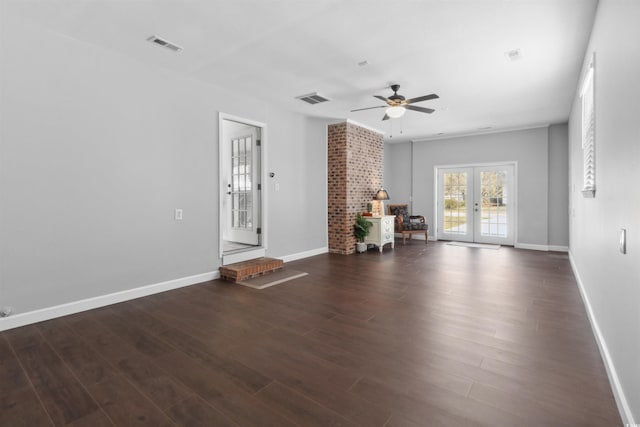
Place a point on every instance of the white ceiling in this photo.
(279, 49)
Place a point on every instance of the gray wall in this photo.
(558, 219)
(529, 148)
(98, 149)
(611, 280)
(297, 214)
(397, 172)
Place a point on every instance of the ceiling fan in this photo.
(397, 104)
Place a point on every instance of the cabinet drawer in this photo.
(381, 231)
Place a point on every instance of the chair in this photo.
(408, 224)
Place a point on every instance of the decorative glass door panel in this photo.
(241, 183)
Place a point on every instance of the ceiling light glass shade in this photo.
(382, 194)
(395, 112)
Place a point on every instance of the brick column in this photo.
(354, 175)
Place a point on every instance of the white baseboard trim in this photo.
(614, 380)
(35, 316)
(305, 254)
(531, 247)
(547, 248)
(23, 319)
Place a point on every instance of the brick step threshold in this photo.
(248, 269)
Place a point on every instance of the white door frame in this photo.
(258, 251)
(436, 186)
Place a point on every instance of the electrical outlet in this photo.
(178, 215)
(6, 311)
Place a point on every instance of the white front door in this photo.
(240, 192)
(476, 204)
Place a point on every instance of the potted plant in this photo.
(361, 230)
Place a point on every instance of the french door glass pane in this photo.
(241, 187)
(493, 203)
(455, 202)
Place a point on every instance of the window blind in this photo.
(589, 133)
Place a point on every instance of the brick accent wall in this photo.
(355, 170)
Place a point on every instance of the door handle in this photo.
(229, 192)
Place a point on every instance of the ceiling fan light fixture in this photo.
(395, 112)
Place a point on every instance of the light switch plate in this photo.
(623, 241)
(178, 215)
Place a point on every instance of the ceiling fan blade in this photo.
(382, 98)
(386, 117)
(370, 108)
(421, 109)
(422, 98)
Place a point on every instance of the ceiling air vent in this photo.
(165, 43)
(313, 98)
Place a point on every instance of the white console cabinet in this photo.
(381, 231)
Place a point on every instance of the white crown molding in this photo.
(477, 132)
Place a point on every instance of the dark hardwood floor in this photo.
(422, 335)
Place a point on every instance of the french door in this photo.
(476, 204)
